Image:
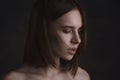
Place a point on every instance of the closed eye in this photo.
(80, 30)
(67, 30)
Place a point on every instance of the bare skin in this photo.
(29, 73)
(65, 38)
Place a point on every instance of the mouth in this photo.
(72, 51)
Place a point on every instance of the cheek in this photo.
(59, 40)
(64, 40)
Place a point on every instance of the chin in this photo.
(68, 58)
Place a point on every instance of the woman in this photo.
(56, 39)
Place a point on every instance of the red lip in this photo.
(72, 51)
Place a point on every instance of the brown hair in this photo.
(37, 49)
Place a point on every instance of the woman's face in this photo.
(64, 34)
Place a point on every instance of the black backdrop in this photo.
(102, 57)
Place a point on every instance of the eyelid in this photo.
(72, 28)
(80, 29)
(67, 30)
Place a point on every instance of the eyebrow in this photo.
(72, 27)
(68, 26)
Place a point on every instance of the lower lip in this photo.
(71, 52)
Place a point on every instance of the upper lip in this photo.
(73, 49)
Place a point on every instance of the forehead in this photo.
(72, 18)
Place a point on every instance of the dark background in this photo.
(103, 52)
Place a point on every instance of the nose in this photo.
(76, 38)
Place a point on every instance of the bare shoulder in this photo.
(82, 74)
(24, 73)
(14, 76)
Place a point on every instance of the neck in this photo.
(52, 72)
(56, 69)
(57, 61)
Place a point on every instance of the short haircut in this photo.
(37, 50)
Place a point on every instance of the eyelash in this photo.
(67, 30)
(70, 30)
(81, 30)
